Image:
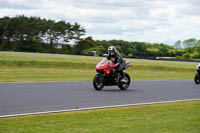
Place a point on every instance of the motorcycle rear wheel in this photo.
(98, 82)
(197, 78)
(123, 85)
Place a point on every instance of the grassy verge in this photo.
(16, 66)
(55, 74)
(181, 117)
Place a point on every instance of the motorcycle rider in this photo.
(115, 57)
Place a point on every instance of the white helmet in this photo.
(198, 66)
(111, 50)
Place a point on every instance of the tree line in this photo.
(190, 48)
(140, 49)
(33, 34)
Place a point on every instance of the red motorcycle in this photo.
(107, 76)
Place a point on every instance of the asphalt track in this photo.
(22, 98)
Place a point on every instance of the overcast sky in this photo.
(155, 21)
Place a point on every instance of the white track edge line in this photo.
(93, 108)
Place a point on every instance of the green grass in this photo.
(163, 118)
(181, 117)
(18, 66)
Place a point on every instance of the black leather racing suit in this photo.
(120, 63)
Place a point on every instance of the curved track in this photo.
(20, 98)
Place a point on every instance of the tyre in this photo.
(98, 82)
(123, 85)
(197, 78)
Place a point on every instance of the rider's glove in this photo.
(110, 66)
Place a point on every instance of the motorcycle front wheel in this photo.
(98, 82)
(125, 82)
(197, 78)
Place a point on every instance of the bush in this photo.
(178, 57)
(122, 54)
(195, 55)
(186, 56)
(130, 55)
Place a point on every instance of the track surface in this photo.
(18, 98)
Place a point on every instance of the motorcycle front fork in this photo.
(119, 76)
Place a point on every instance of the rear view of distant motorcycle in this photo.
(197, 75)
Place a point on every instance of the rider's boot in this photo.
(122, 76)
